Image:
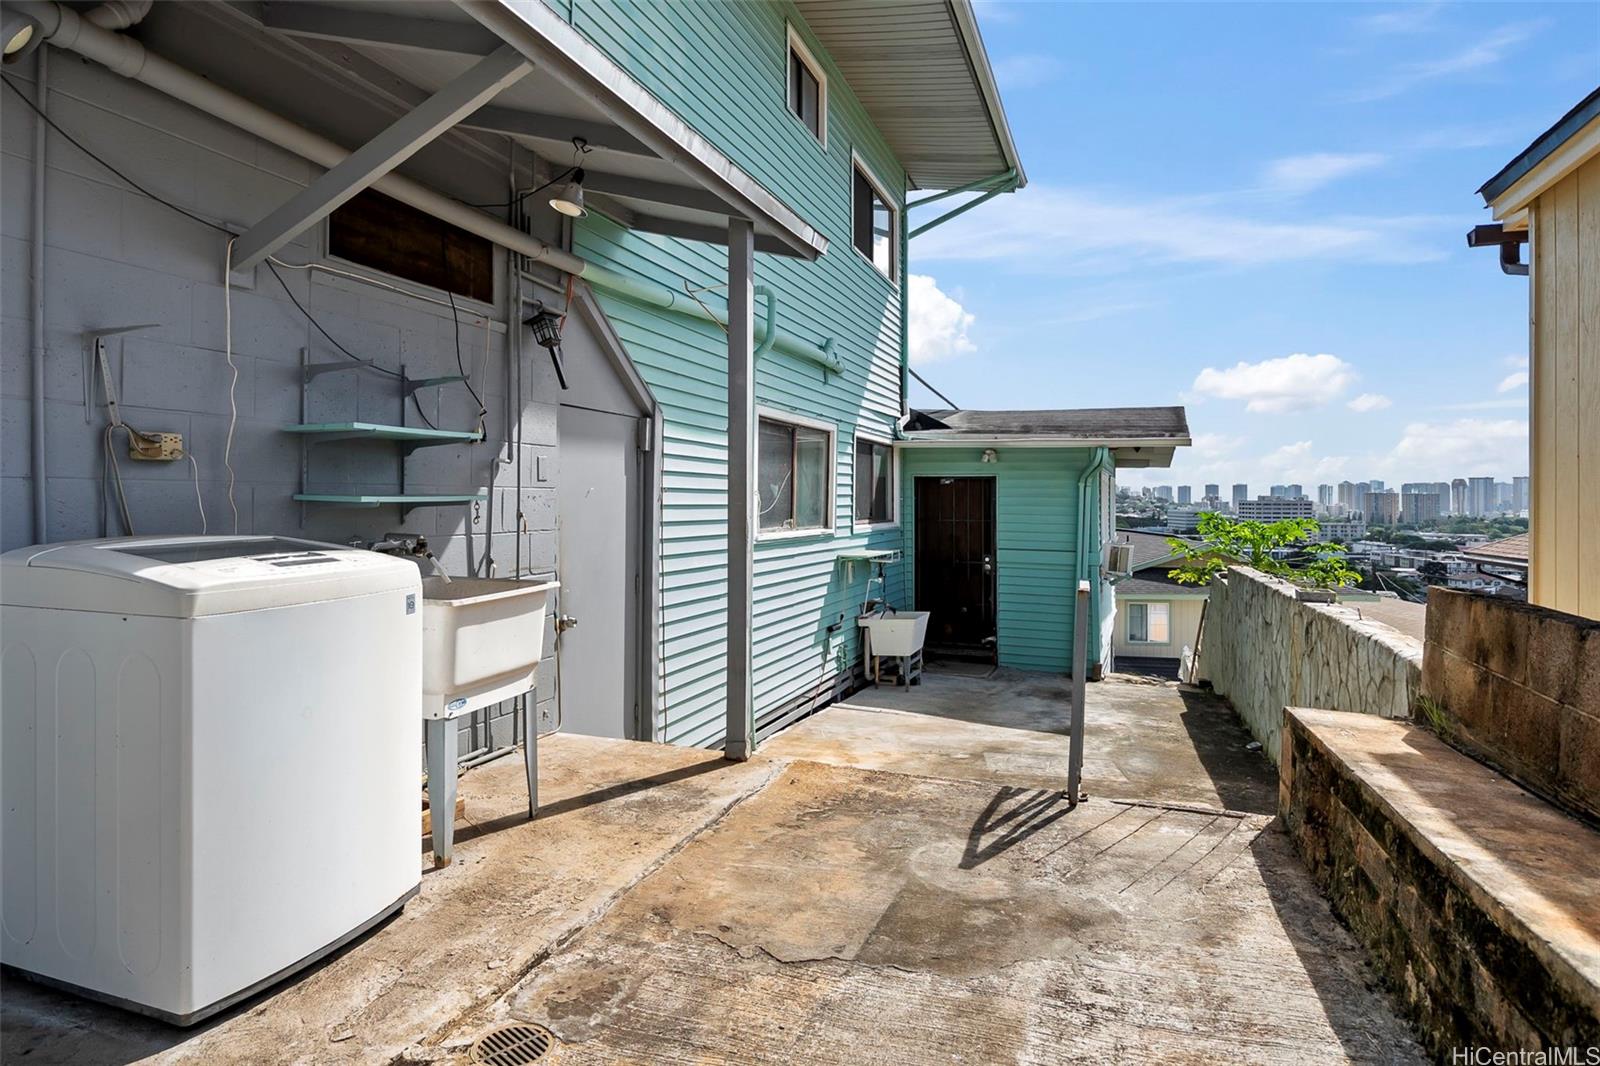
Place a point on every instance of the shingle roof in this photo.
(1543, 145)
(1148, 548)
(1089, 424)
(1509, 550)
(1149, 584)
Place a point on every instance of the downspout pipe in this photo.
(41, 498)
(66, 29)
(1088, 566)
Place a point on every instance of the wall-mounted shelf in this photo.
(409, 437)
(406, 440)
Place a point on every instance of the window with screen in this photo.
(794, 464)
(874, 472)
(382, 233)
(808, 90)
(873, 223)
(1148, 623)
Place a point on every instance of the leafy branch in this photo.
(1226, 542)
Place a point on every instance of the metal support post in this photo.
(1080, 668)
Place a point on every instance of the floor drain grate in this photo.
(514, 1044)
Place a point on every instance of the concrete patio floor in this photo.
(895, 880)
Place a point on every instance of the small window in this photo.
(874, 482)
(808, 90)
(382, 233)
(794, 476)
(873, 222)
(1148, 623)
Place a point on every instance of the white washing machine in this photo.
(209, 761)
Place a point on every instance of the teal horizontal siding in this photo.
(722, 68)
(1036, 534)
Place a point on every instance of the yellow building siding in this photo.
(1183, 626)
(1564, 339)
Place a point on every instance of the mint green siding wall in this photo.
(1036, 515)
(721, 67)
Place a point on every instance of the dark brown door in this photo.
(955, 567)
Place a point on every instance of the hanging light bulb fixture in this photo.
(20, 35)
(569, 198)
(546, 326)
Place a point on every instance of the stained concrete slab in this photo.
(844, 916)
(946, 905)
(1144, 738)
(613, 811)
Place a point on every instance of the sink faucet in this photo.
(414, 545)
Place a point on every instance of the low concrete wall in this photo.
(1518, 686)
(1265, 649)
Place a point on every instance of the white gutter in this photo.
(1044, 442)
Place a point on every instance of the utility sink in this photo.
(895, 633)
(482, 639)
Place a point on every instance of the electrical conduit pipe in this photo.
(66, 29)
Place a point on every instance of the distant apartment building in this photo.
(1164, 492)
(1276, 508)
(1184, 519)
(1185, 495)
(1346, 530)
(1519, 495)
(1294, 492)
(1458, 496)
(1279, 491)
(1241, 493)
(1213, 492)
(1374, 485)
(1419, 507)
(1480, 496)
(1446, 501)
(1382, 508)
(1349, 497)
(1412, 488)
(1325, 496)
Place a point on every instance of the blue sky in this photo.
(1258, 211)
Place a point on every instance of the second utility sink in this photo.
(482, 639)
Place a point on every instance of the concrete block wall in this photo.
(116, 258)
(1518, 686)
(1265, 649)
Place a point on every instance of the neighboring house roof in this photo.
(920, 69)
(1148, 548)
(1511, 551)
(1089, 426)
(1561, 148)
(1151, 586)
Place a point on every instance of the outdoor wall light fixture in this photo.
(546, 326)
(990, 455)
(20, 34)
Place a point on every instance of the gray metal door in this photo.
(600, 572)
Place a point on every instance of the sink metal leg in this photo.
(530, 748)
(442, 739)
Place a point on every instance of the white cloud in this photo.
(1466, 447)
(1489, 51)
(1026, 70)
(1369, 401)
(938, 326)
(1408, 18)
(1296, 175)
(1291, 383)
(1513, 381)
(1056, 229)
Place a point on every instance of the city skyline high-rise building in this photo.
(1213, 491)
(1241, 493)
(1185, 495)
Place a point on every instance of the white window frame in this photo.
(895, 214)
(1147, 604)
(860, 524)
(798, 47)
(830, 505)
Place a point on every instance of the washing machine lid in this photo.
(189, 577)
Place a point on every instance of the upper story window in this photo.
(808, 89)
(794, 474)
(875, 482)
(873, 221)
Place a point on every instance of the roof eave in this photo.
(1553, 155)
(967, 24)
(1030, 440)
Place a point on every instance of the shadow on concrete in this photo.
(1331, 959)
(1012, 816)
(1243, 778)
(473, 830)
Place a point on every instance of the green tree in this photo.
(1225, 542)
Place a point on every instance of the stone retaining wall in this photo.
(1518, 686)
(1265, 649)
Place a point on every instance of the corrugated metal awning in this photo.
(920, 69)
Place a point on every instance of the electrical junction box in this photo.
(156, 447)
